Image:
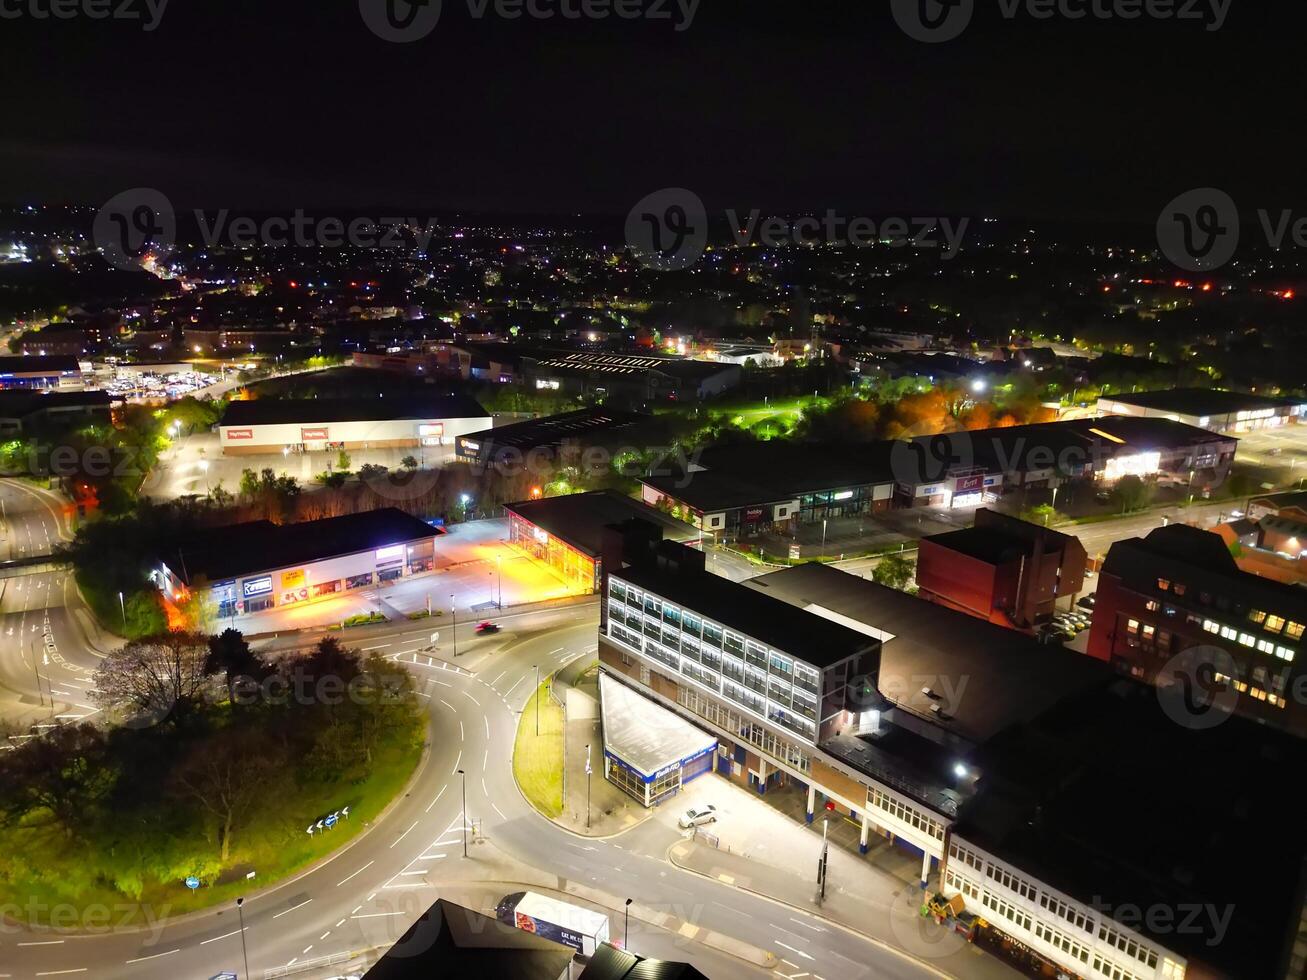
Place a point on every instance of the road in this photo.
(367, 894)
(32, 520)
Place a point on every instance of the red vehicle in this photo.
(487, 628)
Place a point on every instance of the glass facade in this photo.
(763, 681)
(575, 569)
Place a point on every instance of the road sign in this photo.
(192, 882)
(435, 638)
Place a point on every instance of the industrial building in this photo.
(1179, 592)
(546, 439)
(567, 533)
(1004, 570)
(23, 411)
(628, 379)
(1011, 768)
(1207, 408)
(307, 425)
(58, 372)
(246, 568)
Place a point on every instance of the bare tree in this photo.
(65, 773)
(227, 775)
(154, 679)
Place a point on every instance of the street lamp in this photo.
(499, 566)
(823, 535)
(453, 612)
(123, 606)
(464, 820)
(626, 930)
(587, 775)
(244, 953)
(537, 700)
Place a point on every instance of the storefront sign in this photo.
(843, 495)
(257, 586)
(293, 579)
(294, 595)
(239, 434)
(393, 553)
(314, 435)
(969, 484)
(433, 429)
(753, 514)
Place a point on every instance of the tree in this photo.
(1131, 493)
(249, 485)
(333, 481)
(226, 775)
(231, 656)
(343, 461)
(371, 471)
(409, 463)
(154, 679)
(64, 773)
(894, 571)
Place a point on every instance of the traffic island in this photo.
(538, 752)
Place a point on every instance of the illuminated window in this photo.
(1294, 632)
(1284, 653)
(1274, 624)
(1211, 625)
(1149, 630)
(1256, 616)
(1163, 584)
(1247, 639)
(1229, 632)
(1132, 626)
(1179, 588)
(1152, 605)
(1265, 646)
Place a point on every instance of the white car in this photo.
(696, 815)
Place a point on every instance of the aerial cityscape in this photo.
(620, 489)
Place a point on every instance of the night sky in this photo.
(785, 106)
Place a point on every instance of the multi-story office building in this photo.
(1173, 607)
(1034, 779)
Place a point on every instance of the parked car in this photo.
(699, 814)
(487, 627)
(1087, 602)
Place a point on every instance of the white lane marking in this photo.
(499, 811)
(461, 737)
(339, 924)
(793, 950)
(205, 942)
(60, 973)
(807, 925)
(155, 956)
(293, 908)
(377, 915)
(378, 647)
(48, 942)
(514, 687)
(487, 721)
(404, 834)
(458, 762)
(356, 873)
(447, 704)
(472, 699)
(437, 799)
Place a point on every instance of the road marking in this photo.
(205, 942)
(461, 737)
(293, 908)
(404, 834)
(487, 720)
(514, 687)
(807, 925)
(59, 973)
(356, 873)
(154, 956)
(499, 811)
(468, 695)
(793, 950)
(437, 799)
(458, 762)
(48, 942)
(376, 915)
(324, 935)
(379, 647)
(306, 949)
(339, 924)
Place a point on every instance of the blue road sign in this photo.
(192, 882)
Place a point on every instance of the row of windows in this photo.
(966, 856)
(1060, 940)
(1109, 969)
(1006, 909)
(1248, 640)
(1257, 693)
(1270, 622)
(1127, 945)
(964, 885)
(757, 736)
(1012, 882)
(1069, 912)
(907, 814)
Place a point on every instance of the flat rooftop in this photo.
(1114, 802)
(644, 734)
(1202, 401)
(551, 430)
(817, 641)
(987, 544)
(221, 553)
(284, 411)
(579, 519)
(40, 364)
(986, 678)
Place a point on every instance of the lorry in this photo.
(571, 925)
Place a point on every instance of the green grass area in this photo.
(538, 759)
(49, 880)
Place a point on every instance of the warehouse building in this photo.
(307, 425)
(629, 379)
(1009, 767)
(62, 372)
(567, 533)
(545, 438)
(246, 568)
(1207, 408)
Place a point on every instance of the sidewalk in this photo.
(884, 911)
(610, 810)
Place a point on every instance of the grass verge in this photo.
(538, 760)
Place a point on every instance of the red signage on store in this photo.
(239, 434)
(313, 435)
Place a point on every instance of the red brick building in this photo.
(1003, 570)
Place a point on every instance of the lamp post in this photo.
(123, 606)
(244, 952)
(499, 567)
(626, 930)
(537, 700)
(453, 612)
(823, 536)
(464, 820)
(587, 782)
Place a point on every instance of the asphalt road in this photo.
(367, 894)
